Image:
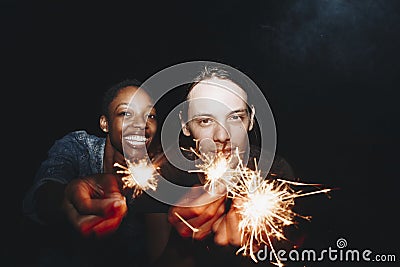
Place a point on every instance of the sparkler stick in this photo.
(194, 230)
(140, 176)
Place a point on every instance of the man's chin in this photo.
(216, 154)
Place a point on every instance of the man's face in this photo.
(218, 117)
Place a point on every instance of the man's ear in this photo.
(184, 125)
(252, 114)
(104, 123)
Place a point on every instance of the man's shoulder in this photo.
(169, 169)
(278, 165)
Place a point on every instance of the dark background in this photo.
(329, 70)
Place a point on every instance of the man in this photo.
(217, 116)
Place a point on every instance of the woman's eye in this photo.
(152, 116)
(125, 113)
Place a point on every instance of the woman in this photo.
(77, 183)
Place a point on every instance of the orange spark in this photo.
(140, 176)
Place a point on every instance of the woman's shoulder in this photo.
(81, 135)
(80, 138)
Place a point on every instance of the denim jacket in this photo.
(77, 154)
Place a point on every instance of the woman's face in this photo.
(132, 122)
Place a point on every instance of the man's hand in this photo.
(226, 228)
(95, 204)
(200, 217)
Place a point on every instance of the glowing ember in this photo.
(140, 176)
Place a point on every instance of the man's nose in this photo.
(221, 134)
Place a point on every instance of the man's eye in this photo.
(205, 121)
(235, 117)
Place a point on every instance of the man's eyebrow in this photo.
(238, 111)
(211, 115)
(203, 115)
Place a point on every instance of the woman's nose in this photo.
(138, 122)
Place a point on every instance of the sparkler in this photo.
(140, 176)
(265, 206)
(217, 170)
(265, 209)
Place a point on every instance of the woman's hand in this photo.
(95, 204)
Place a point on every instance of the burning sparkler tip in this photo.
(140, 176)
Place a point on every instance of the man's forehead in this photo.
(221, 90)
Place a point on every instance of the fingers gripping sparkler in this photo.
(140, 176)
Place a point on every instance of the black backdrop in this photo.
(329, 70)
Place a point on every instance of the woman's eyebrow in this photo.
(151, 107)
(128, 104)
(121, 104)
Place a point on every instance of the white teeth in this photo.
(136, 143)
(136, 138)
